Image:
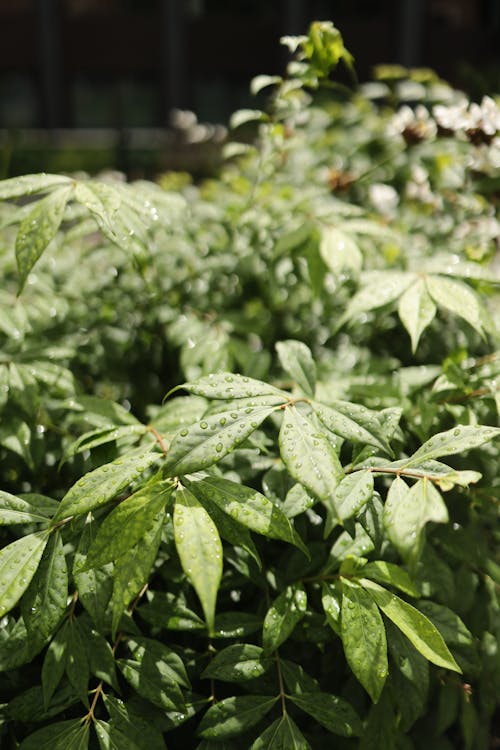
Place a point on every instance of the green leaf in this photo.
(331, 600)
(14, 510)
(297, 681)
(390, 574)
(153, 682)
(63, 735)
(353, 422)
(77, 660)
(228, 385)
(236, 624)
(459, 439)
(296, 359)
(407, 511)
(410, 677)
(207, 442)
(100, 412)
(111, 738)
(18, 564)
(232, 716)
(132, 570)
(101, 436)
(159, 654)
(336, 714)
(103, 484)
(94, 586)
(261, 82)
(229, 529)
(381, 728)
(101, 658)
(417, 627)
(28, 706)
(282, 734)
(379, 289)
(242, 116)
(248, 507)
(339, 251)
(38, 228)
(459, 298)
(200, 550)
(283, 615)
(416, 310)
(133, 726)
(352, 493)
(31, 183)
(103, 202)
(54, 664)
(237, 663)
(308, 454)
(364, 639)
(127, 524)
(45, 600)
(164, 610)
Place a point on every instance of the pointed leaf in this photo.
(94, 586)
(248, 507)
(407, 511)
(339, 251)
(379, 289)
(18, 564)
(228, 385)
(77, 660)
(283, 615)
(416, 626)
(62, 735)
(232, 716)
(103, 484)
(390, 574)
(459, 298)
(111, 738)
(331, 600)
(167, 660)
(205, 443)
(45, 600)
(132, 570)
(459, 439)
(237, 663)
(296, 359)
(133, 726)
(127, 524)
(28, 509)
(352, 493)
(150, 681)
(229, 529)
(336, 714)
(416, 310)
(38, 228)
(282, 734)
(200, 550)
(353, 422)
(308, 454)
(364, 639)
(54, 664)
(30, 183)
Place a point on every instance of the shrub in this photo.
(303, 544)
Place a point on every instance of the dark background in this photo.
(90, 75)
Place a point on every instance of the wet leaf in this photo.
(18, 564)
(336, 714)
(416, 310)
(232, 716)
(282, 616)
(200, 550)
(242, 661)
(296, 359)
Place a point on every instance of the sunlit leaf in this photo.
(200, 550)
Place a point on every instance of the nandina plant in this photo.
(297, 547)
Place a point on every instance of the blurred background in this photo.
(90, 84)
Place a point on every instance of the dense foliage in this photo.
(298, 547)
